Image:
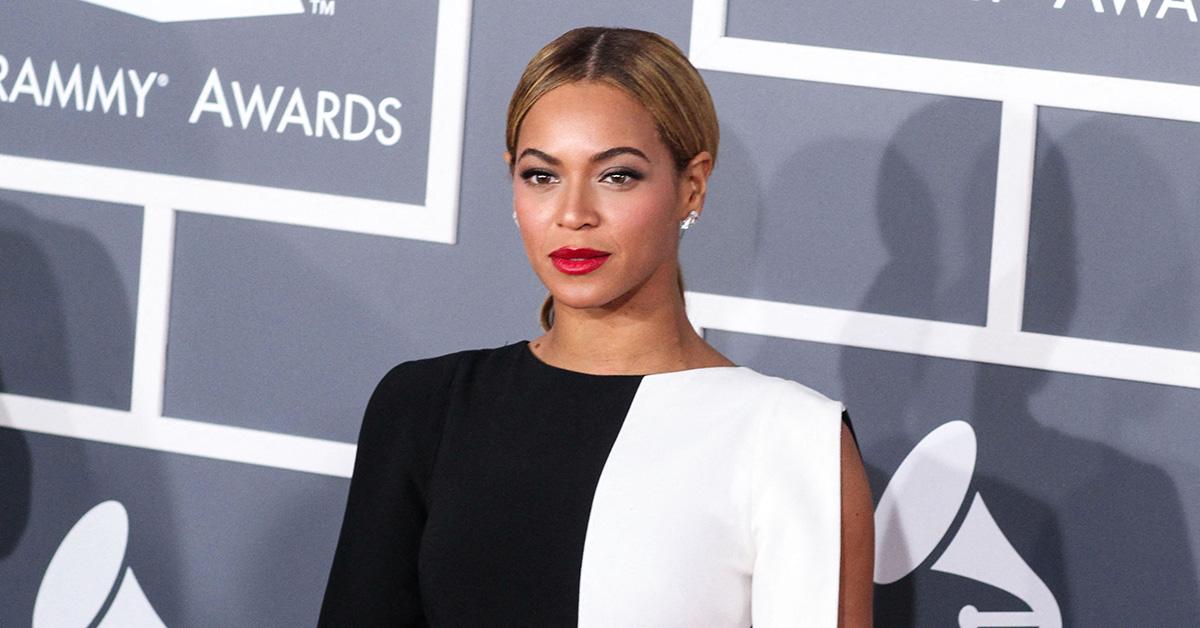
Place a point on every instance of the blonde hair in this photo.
(648, 67)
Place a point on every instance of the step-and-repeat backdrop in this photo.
(974, 221)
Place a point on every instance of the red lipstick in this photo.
(578, 261)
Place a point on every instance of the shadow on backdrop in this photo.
(20, 266)
(66, 334)
(34, 361)
(1103, 530)
(1115, 550)
(15, 483)
(901, 397)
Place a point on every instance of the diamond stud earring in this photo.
(686, 223)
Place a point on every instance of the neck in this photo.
(644, 333)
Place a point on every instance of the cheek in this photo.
(529, 204)
(530, 219)
(646, 220)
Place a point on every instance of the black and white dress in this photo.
(493, 489)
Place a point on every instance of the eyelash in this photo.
(630, 175)
(530, 176)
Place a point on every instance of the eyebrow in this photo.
(598, 157)
(619, 150)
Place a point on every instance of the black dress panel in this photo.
(473, 462)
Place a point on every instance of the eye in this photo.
(621, 177)
(537, 176)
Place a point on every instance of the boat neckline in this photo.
(529, 352)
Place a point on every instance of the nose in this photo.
(577, 207)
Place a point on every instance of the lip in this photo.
(577, 261)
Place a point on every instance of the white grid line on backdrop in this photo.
(1021, 91)
(1001, 341)
(162, 195)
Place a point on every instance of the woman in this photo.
(617, 470)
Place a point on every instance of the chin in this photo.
(574, 299)
(580, 296)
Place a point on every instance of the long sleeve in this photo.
(373, 580)
(796, 512)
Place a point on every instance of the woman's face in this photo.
(598, 198)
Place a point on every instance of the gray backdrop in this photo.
(842, 197)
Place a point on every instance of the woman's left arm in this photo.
(858, 539)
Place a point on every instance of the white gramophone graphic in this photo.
(85, 573)
(915, 513)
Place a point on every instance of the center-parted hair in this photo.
(647, 66)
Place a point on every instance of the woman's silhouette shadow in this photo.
(1103, 530)
(66, 334)
(1115, 547)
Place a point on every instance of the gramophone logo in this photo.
(916, 511)
(87, 582)
(188, 10)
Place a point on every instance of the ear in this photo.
(694, 181)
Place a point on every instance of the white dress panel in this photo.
(718, 506)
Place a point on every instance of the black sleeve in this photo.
(373, 581)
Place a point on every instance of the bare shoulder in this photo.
(858, 539)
